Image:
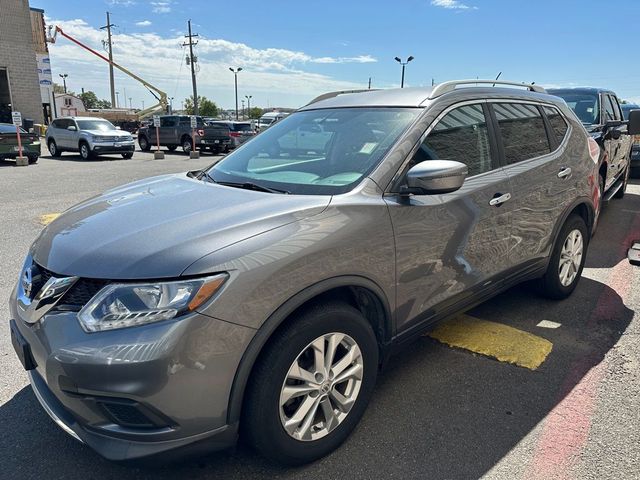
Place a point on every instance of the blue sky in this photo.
(292, 51)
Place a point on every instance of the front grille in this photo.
(77, 296)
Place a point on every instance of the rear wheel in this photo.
(127, 155)
(567, 260)
(311, 385)
(145, 146)
(85, 151)
(33, 159)
(187, 146)
(53, 148)
(171, 148)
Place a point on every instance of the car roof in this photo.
(80, 118)
(593, 90)
(629, 106)
(420, 97)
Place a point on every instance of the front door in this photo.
(168, 130)
(617, 144)
(451, 246)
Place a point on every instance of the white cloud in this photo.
(452, 4)
(161, 7)
(122, 3)
(143, 23)
(274, 74)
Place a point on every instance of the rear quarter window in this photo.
(558, 124)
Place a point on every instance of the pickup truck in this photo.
(175, 131)
(600, 113)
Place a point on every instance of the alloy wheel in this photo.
(321, 387)
(571, 257)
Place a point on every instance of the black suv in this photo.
(600, 113)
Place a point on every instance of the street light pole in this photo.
(64, 80)
(397, 59)
(170, 105)
(117, 99)
(248, 97)
(235, 75)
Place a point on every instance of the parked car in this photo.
(600, 113)
(240, 131)
(9, 143)
(175, 131)
(270, 118)
(262, 294)
(89, 136)
(635, 149)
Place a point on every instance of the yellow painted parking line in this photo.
(47, 218)
(504, 343)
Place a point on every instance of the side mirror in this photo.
(72, 128)
(433, 177)
(633, 127)
(118, 128)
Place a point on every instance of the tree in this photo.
(206, 107)
(255, 112)
(57, 88)
(89, 99)
(103, 104)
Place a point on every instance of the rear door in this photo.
(618, 143)
(538, 162)
(451, 247)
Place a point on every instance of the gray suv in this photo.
(260, 296)
(89, 136)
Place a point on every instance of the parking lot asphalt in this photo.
(437, 413)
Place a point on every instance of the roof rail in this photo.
(447, 87)
(325, 96)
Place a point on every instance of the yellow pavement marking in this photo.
(504, 343)
(47, 218)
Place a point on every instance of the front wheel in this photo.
(53, 148)
(127, 155)
(312, 384)
(145, 146)
(567, 260)
(186, 145)
(33, 159)
(85, 151)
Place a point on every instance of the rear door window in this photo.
(522, 131)
(461, 135)
(168, 121)
(609, 109)
(558, 124)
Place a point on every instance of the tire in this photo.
(171, 148)
(620, 193)
(635, 172)
(143, 141)
(127, 155)
(85, 151)
(33, 159)
(554, 284)
(53, 148)
(263, 417)
(187, 146)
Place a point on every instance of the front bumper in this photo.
(139, 391)
(110, 147)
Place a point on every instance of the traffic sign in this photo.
(156, 120)
(17, 118)
(194, 121)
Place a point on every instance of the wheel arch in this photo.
(360, 292)
(584, 208)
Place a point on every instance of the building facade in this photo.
(19, 82)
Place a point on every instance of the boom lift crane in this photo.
(156, 92)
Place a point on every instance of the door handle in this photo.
(499, 199)
(564, 173)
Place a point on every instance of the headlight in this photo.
(124, 305)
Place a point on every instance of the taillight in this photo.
(201, 132)
(234, 134)
(594, 150)
(636, 139)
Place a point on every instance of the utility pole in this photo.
(369, 83)
(111, 82)
(192, 61)
(243, 109)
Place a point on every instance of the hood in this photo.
(109, 133)
(156, 228)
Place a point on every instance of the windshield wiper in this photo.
(251, 186)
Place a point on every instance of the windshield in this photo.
(626, 108)
(10, 129)
(266, 120)
(102, 125)
(241, 127)
(318, 152)
(586, 106)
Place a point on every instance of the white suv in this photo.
(88, 135)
